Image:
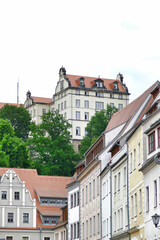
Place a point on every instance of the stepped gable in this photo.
(41, 99)
(130, 110)
(89, 82)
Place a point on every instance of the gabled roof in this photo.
(11, 104)
(89, 82)
(41, 99)
(126, 114)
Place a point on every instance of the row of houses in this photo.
(118, 182)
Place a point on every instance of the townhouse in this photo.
(151, 167)
(31, 205)
(77, 98)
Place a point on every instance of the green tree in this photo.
(13, 151)
(50, 148)
(96, 126)
(19, 118)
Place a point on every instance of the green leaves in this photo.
(96, 126)
(19, 118)
(50, 148)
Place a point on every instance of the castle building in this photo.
(78, 98)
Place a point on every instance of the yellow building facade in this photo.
(135, 178)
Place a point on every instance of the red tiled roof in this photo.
(89, 82)
(126, 113)
(12, 104)
(47, 186)
(41, 100)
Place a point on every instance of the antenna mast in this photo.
(18, 91)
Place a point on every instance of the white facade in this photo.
(151, 171)
(78, 98)
(73, 211)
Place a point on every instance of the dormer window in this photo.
(99, 84)
(81, 82)
(115, 86)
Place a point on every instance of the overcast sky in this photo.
(87, 37)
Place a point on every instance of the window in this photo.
(120, 106)
(26, 217)
(99, 105)
(124, 176)
(78, 131)
(58, 107)
(72, 201)
(111, 95)
(98, 223)
(94, 225)
(65, 115)
(78, 198)
(86, 93)
(86, 104)
(99, 94)
(120, 96)
(74, 230)
(46, 238)
(57, 236)
(4, 195)
(158, 130)
(77, 115)
(155, 193)
(77, 92)
(86, 194)
(61, 105)
(115, 222)
(77, 103)
(147, 199)
(130, 162)
(104, 190)
(134, 160)
(121, 218)
(25, 238)
(83, 231)
(135, 205)
(81, 82)
(9, 238)
(65, 104)
(119, 181)
(90, 227)
(87, 229)
(10, 217)
(139, 161)
(71, 231)
(43, 111)
(132, 210)
(16, 195)
(82, 197)
(115, 183)
(99, 84)
(90, 191)
(97, 185)
(151, 142)
(93, 188)
(140, 200)
(62, 83)
(112, 105)
(115, 86)
(77, 229)
(86, 115)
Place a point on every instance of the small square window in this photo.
(77, 92)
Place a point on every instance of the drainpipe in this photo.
(128, 190)
(110, 200)
(40, 233)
